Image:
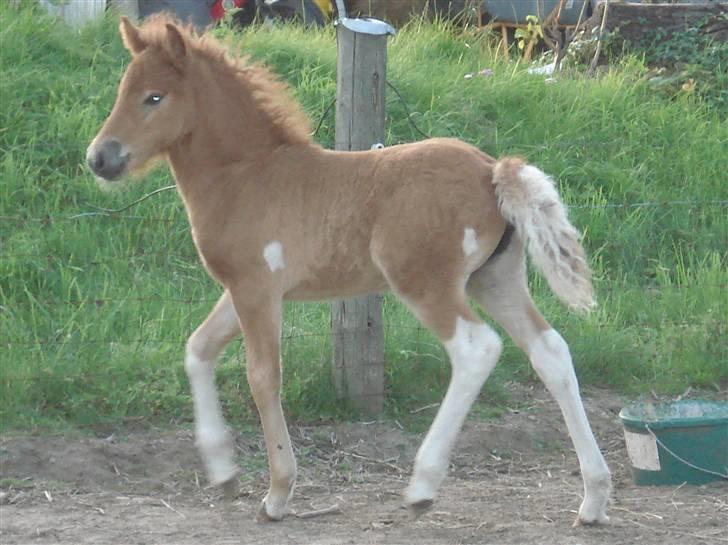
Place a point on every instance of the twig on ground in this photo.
(90, 506)
(430, 406)
(387, 462)
(333, 510)
(645, 514)
(672, 496)
(678, 531)
(172, 508)
(684, 394)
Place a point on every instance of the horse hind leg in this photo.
(473, 348)
(500, 287)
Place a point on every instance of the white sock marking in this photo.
(551, 359)
(213, 438)
(470, 241)
(474, 350)
(273, 255)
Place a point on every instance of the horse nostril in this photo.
(97, 162)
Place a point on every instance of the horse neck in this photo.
(229, 128)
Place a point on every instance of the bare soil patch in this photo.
(513, 480)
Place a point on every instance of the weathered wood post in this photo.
(356, 323)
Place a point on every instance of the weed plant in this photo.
(686, 62)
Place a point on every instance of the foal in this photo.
(281, 218)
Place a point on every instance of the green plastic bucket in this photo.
(677, 442)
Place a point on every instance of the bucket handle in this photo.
(683, 460)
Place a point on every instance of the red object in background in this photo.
(217, 11)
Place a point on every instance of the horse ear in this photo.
(176, 44)
(131, 37)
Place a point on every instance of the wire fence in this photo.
(182, 313)
(21, 220)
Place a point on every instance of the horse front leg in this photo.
(261, 325)
(212, 435)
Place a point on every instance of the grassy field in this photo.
(95, 309)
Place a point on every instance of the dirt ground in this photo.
(513, 480)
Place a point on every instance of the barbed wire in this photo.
(191, 257)
(64, 340)
(51, 219)
(111, 213)
(407, 110)
(107, 212)
(433, 352)
(99, 301)
(649, 204)
(292, 331)
(114, 211)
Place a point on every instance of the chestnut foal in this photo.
(274, 216)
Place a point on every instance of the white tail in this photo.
(528, 200)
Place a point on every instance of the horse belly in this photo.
(337, 279)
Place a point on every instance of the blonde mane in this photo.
(268, 92)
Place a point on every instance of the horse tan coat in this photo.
(274, 216)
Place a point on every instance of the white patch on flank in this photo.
(470, 241)
(273, 254)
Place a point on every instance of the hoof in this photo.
(263, 515)
(602, 519)
(593, 509)
(418, 508)
(230, 488)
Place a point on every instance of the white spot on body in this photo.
(470, 241)
(273, 255)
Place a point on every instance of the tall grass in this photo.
(95, 309)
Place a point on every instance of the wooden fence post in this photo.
(356, 323)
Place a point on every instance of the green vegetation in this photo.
(683, 62)
(94, 309)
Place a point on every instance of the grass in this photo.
(94, 310)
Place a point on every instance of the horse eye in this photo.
(153, 99)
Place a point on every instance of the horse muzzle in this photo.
(108, 159)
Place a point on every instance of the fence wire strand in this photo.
(292, 331)
(114, 214)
